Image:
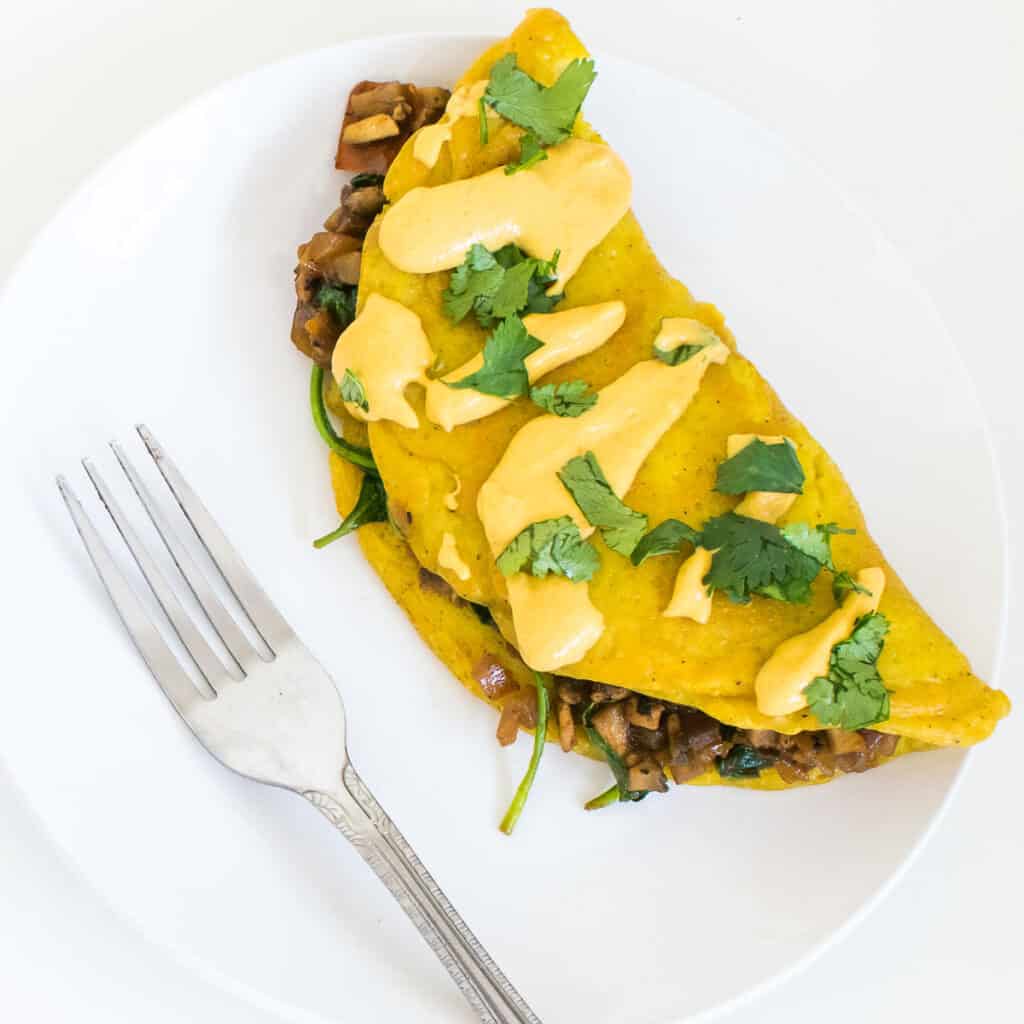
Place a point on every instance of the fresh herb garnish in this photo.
(617, 765)
(571, 398)
(761, 467)
(530, 152)
(371, 507)
(853, 695)
(504, 370)
(552, 545)
(844, 582)
(339, 301)
(365, 179)
(743, 762)
(665, 539)
(539, 736)
(548, 112)
(357, 455)
(481, 109)
(679, 355)
(754, 557)
(500, 284)
(620, 526)
(352, 390)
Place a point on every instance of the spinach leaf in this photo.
(357, 455)
(371, 507)
(617, 765)
(743, 762)
(539, 736)
(339, 301)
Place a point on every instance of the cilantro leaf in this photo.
(814, 541)
(754, 557)
(530, 152)
(853, 695)
(504, 370)
(620, 526)
(340, 302)
(761, 467)
(843, 582)
(352, 390)
(552, 545)
(371, 507)
(677, 356)
(497, 285)
(549, 112)
(571, 398)
(665, 539)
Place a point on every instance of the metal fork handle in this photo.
(354, 811)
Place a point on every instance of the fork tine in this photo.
(227, 629)
(250, 595)
(195, 643)
(159, 658)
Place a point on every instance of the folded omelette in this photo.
(591, 506)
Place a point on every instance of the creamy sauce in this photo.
(631, 415)
(566, 335)
(448, 557)
(690, 597)
(451, 499)
(798, 661)
(464, 102)
(568, 202)
(682, 330)
(386, 348)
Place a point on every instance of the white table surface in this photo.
(916, 107)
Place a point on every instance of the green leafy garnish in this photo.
(679, 355)
(743, 762)
(481, 110)
(571, 398)
(357, 455)
(530, 152)
(814, 541)
(339, 301)
(609, 796)
(371, 507)
(365, 179)
(754, 557)
(843, 582)
(352, 390)
(549, 112)
(853, 695)
(500, 284)
(539, 736)
(665, 539)
(620, 526)
(504, 370)
(617, 765)
(552, 545)
(761, 467)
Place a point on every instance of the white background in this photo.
(916, 108)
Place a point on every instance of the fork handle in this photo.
(354, 811)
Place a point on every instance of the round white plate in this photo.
(162, 292)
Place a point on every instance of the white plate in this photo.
(162, 292)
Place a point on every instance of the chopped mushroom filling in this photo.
(379, 117)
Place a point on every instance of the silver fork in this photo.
(277, 720)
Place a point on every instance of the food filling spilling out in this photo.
(592, 507)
